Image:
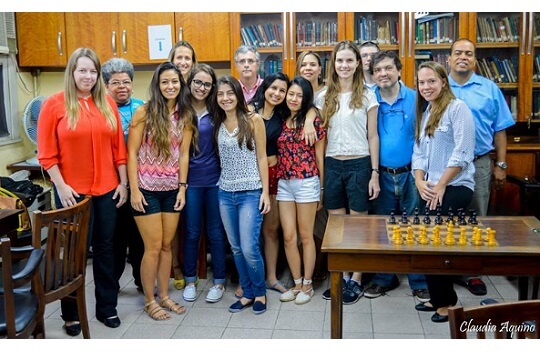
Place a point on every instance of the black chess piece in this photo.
(450, 216)
(438, 218)
(416, 219)
(404, 219)
(461, 217)
(427, 220)
(473, 218)
(392, 219)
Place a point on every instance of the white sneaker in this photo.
(215, 293)
(289, 295)
(190, 293)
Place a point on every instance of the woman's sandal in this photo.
(155, 311)
(172, 305)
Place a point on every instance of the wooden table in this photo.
(360, 243)
(9, 222)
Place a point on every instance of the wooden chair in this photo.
(21, 314)
(496, 320)
(65, 245)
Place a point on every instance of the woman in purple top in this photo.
(202, 193)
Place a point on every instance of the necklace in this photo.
(266, 118)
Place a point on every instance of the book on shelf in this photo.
(505, 29)
(262, 35)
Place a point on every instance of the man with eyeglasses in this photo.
(396, 127)
(247, 60)
(367, 50)
(118, 77)
(491, 119)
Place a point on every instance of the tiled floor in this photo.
(389, 317)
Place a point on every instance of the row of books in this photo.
(262, 35)
(316, 33)
(274, 63)
(425, 55)
(505, 29)
(369, 29)
(498, 70)
(536, 72)
(438, 31)
(511, 101)
(536, 104)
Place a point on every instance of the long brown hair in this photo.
(98, 91)
(157, 111)
(438, 106)
(245, 132)
(331, 103)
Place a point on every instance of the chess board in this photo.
(443, 232)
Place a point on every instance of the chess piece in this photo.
(404, 219)
(423, 239)
(450, 216)
(462, 235)
(491, 239)
(409, 239)
(427, 219)
(416, 219)
(438, 218)
(472, 218)
(450, 234)
(436, 235)
(397, 235)
(461, 217)
(477, 236)
(392, 219)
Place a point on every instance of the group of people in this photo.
(245, 157)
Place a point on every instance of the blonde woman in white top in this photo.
(351, 176)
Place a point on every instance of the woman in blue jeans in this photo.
(243, 188)
(202, 193)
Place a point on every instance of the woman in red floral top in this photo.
(300, 173)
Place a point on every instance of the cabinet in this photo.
(280, 37)
(41, 39)
(115, 34)
(209, 33)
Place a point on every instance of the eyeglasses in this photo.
(198, 83)
(244, 61)
(118, 83)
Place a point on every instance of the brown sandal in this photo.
(172, 305)
(155, 311)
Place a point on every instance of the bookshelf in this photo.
(280, 37)
(536, 66)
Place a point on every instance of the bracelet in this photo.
(182, 184)
(376, 170)
(125, 184)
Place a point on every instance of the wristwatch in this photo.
(501, 164)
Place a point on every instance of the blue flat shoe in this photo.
(424, 307)
(259, 307)
(238, 306)
(437, 318)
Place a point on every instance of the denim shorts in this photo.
(346, 183)
(299, 190)
(158, 202)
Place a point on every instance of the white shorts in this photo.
(299, 190)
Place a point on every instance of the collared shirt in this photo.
(488, 106)
(396, 124)
(250, 93)
(452, 145)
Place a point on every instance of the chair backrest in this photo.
(21, 313)
(65, 244)
(519, 319)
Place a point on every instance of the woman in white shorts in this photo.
(299, 195)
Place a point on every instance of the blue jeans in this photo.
(102, 228)
(398, 192)
(242, 220)
(199, 201)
